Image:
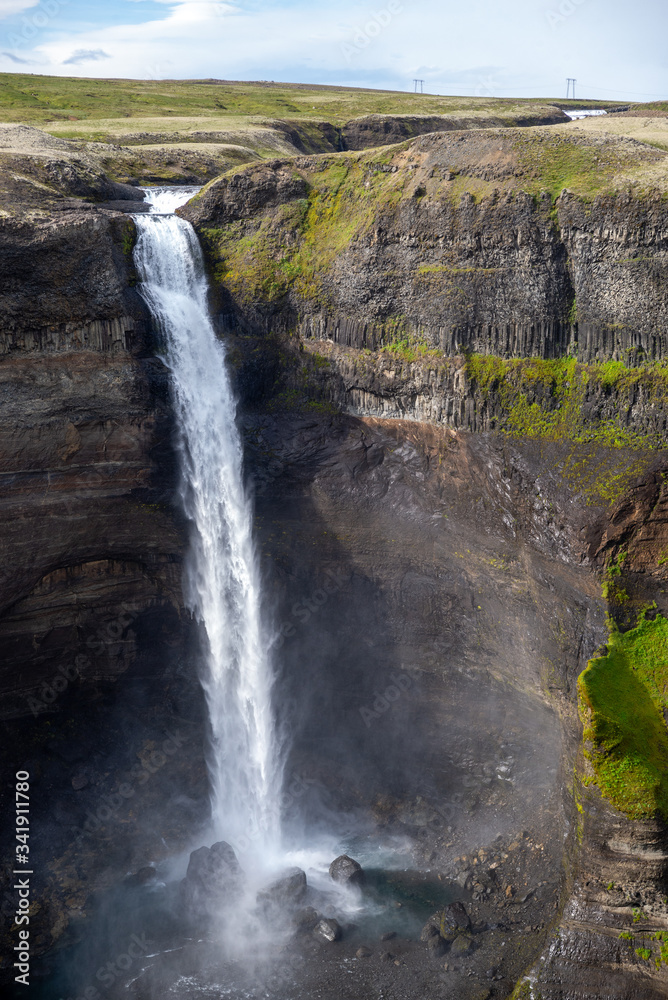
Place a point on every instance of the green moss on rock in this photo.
(623, 695)
(585, 406)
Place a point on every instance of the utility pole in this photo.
(421, 83)
(570, 80)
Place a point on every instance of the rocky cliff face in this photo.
(397, 272)
(503, 242)
(91, 614)
(448, 529)
(86, 429)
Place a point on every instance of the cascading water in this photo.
(222, 579)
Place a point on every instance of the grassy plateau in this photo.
(41, 99)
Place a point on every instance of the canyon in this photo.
(448, 353)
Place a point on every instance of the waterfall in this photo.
(222, 586)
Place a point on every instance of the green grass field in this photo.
(39, 99)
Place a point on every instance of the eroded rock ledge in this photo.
(511, 242)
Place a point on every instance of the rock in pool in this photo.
(214, 878)
(286, 890)
(346, 870)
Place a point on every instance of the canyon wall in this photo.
(411, 332)
(512, 287)
(88, 473)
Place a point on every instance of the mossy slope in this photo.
(623, 695)
(541, 398)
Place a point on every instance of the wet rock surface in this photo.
(327, 930)
(346, 870)
(213, 880)
(285, 891)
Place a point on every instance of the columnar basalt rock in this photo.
(453, 240)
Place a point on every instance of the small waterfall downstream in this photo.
(221, 573)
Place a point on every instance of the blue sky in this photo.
(524, 48)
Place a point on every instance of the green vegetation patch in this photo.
(653, 947)
(623, 695)
(586, 166)
(584, 406)
(544, 398)
(293, 246)
(409, 349)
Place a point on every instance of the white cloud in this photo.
(10, 7)
(198, 11)
(386, 43)
(85, 55)
(18, 60)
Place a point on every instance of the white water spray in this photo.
(221, 573)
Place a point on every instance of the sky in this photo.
(515, 48)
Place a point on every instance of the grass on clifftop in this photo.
(624, 694)
(37, 99)
(584, 162)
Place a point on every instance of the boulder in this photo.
(432, 928)
(454, 920)
(286, 890)
(436, 946)
(214, 877)
(327, 930)
(462, 945)
(304, 920)
(142, 877)
(346, 870)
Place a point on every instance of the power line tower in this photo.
(570, 80)
(421, 84)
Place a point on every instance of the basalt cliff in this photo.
(449, 354)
